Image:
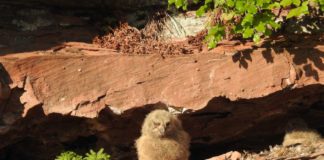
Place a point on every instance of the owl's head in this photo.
(296, 124)
(160, 123)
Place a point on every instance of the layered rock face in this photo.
(80, 84)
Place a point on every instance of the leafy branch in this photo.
(250, 19)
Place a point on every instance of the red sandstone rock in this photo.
(84, 84)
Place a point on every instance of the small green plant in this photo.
(248, 18)
(92, 155)
(68, 155)
(100, 155)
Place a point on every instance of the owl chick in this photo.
(163, 138)
(297, 132)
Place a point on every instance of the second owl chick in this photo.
(297, 132)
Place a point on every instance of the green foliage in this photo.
(179, 3)
(92, 155)
(301, 10)
(215, 34)
(100, 155)
(68, 155)
(247, 18)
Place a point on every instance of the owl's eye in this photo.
(156, 123)
(167, 124)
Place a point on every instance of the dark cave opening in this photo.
(44, 137)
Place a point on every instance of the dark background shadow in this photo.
(5, 91)
(33, 25)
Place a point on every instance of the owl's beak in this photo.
(162, 130)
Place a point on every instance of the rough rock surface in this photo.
(85, 82)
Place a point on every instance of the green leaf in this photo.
(250, 2)
(259, 3)
(209, 37)
(264, 3)
(100, 155)
(305, 6)
(296, 2)
(230, 3)
(274, 25)
(185, 7)
(215, 34)
(239, 5)
(252, 9)
(219, 3)
(201, 11)
(216, 30)
(68, 155)
(238, 29)
(196, 1)
(285, 3)
(208, 1)
(261, 27)
(212, 44)
(247, 20)
(219, 37)
(268, 32)
(171, 1)
(273, 6)
(227, 16)
(256, 38)
(321, 2)
(299, 11)
(179, 3)
(248, 32)
(213, 30)
(264, 17)
(101, 151)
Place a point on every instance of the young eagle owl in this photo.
(163, 138)
(297, 132)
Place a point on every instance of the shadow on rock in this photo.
(304, 50)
